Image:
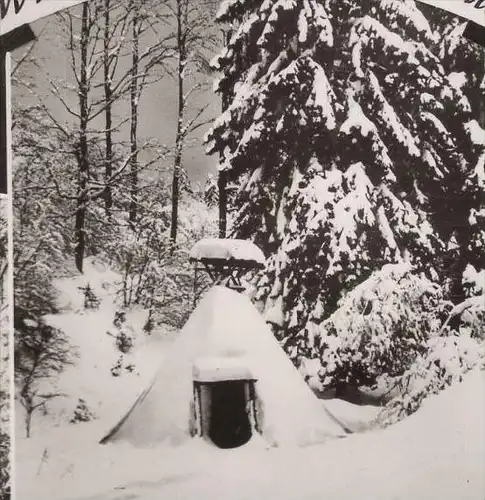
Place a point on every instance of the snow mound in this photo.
(355, 418)
(227, 249)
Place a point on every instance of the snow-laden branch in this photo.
(477, 301)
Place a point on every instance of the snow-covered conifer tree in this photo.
(460, 207)
(338, 137)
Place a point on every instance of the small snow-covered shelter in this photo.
(224, 379)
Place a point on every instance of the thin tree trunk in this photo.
(134, 98)
(222, 178)
(108, 94)
(181, 108)
(175, 192)
(83, 160)
(28, 421)
(222, 188)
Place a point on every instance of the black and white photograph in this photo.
(5, 358)
(247, 249)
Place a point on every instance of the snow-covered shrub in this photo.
(474, 281)
(154, 272)
(41, 352)
(116, 368)
(91, 301)
(149, 325)
(457, 347)
(124, 336)
(468, 318)
(4, 423)
(124, 342)
(446, 360)
(472, 309)
(119, 319)
(4, 465)
(82, 413)
(380, 327)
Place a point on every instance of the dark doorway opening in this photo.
(229, 426)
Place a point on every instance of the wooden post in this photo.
(4, 118)
(222, 188)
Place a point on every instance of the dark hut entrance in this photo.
(229, 425)
(225, 410)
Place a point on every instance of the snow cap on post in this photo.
(227, 249)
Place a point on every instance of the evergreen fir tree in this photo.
(337, 135)
(460, 207)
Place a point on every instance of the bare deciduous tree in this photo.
(195, 40)
(97, 46)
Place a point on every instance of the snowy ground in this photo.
(438, 453)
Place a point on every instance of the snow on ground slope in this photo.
(437, 453)
(92, 334)
(354, 418)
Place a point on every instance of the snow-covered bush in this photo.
(4, 411)
(471, 311)
(474, 281)
(120, 365)
(155, 273)
(380, 327)
(124, 342)
(124, 335)
(119, 319)
(149, 324)
(82, 413)
(453, 350)
(117, 367)
(41, 352)
(91, 301)
(445, 361)
(4, 465)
